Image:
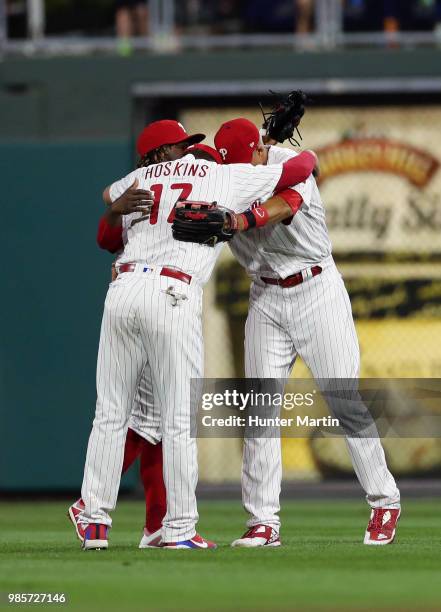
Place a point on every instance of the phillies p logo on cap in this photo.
(236, 140)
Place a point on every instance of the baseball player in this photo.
(298, 306)
(143, 435)
(152, 319)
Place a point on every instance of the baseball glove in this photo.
(202, 222)
(285, 116)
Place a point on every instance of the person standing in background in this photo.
(304, 10)
(131, 19)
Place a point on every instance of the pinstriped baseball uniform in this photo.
(145, 418)
(151, 320)
(313, 320)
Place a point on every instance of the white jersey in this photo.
(151, 241)
(151, 343)
(281, 250)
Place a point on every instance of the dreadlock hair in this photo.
(154, 157)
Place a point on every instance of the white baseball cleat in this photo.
(259, 535)
(74, 513)
(382, 526)
(151, 540)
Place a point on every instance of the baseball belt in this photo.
(293, 280)
(171, 272)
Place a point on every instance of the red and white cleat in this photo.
(74, 514)
(151, 540)
(259, 535)
(382, 526)
(195, 543)
(95, 537)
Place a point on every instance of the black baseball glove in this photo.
(285, 116)
(203, 222)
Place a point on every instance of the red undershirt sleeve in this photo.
(296, 170)
(292, 198)
(294, 201)
(108, 237)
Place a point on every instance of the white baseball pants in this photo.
(313, 320)
(145, 326)
(145, 418)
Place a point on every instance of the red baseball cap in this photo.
(210, 150)
(164, 132)
(236, 140)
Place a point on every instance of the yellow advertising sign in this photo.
(377, 154)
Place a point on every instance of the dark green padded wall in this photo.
(54, 280)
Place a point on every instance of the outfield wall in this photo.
(66, 130)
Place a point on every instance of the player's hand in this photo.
(134, 200)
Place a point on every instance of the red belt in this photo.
(131, 267)
(291, 281)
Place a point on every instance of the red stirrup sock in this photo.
(132, 449)
(154, 487)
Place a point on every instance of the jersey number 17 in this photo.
(185, 191)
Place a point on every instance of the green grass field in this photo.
(322, 564)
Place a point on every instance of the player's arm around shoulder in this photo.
(278, 208)
(119, 204)
(279, 155)
(113, 191)
(251, 183)
(287, 201)
(303, 188)
(124, 197)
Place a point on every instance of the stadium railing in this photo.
(328, 34)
